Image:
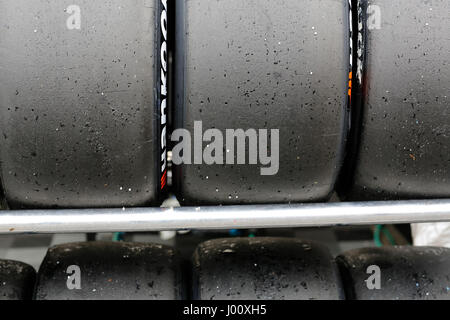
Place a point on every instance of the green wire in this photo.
(117, 236)
(377, 235)
(388, 235)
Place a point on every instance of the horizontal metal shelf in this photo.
(223, 217)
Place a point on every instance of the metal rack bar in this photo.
(223, 217)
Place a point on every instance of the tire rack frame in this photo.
(223, 217)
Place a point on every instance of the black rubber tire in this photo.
(264, 268)
(256, 65)
(407, 273)
(79, 112)
(404, 150)
(17, 280)
(111, 271)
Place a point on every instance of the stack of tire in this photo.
(229, 269)
(354, 96)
